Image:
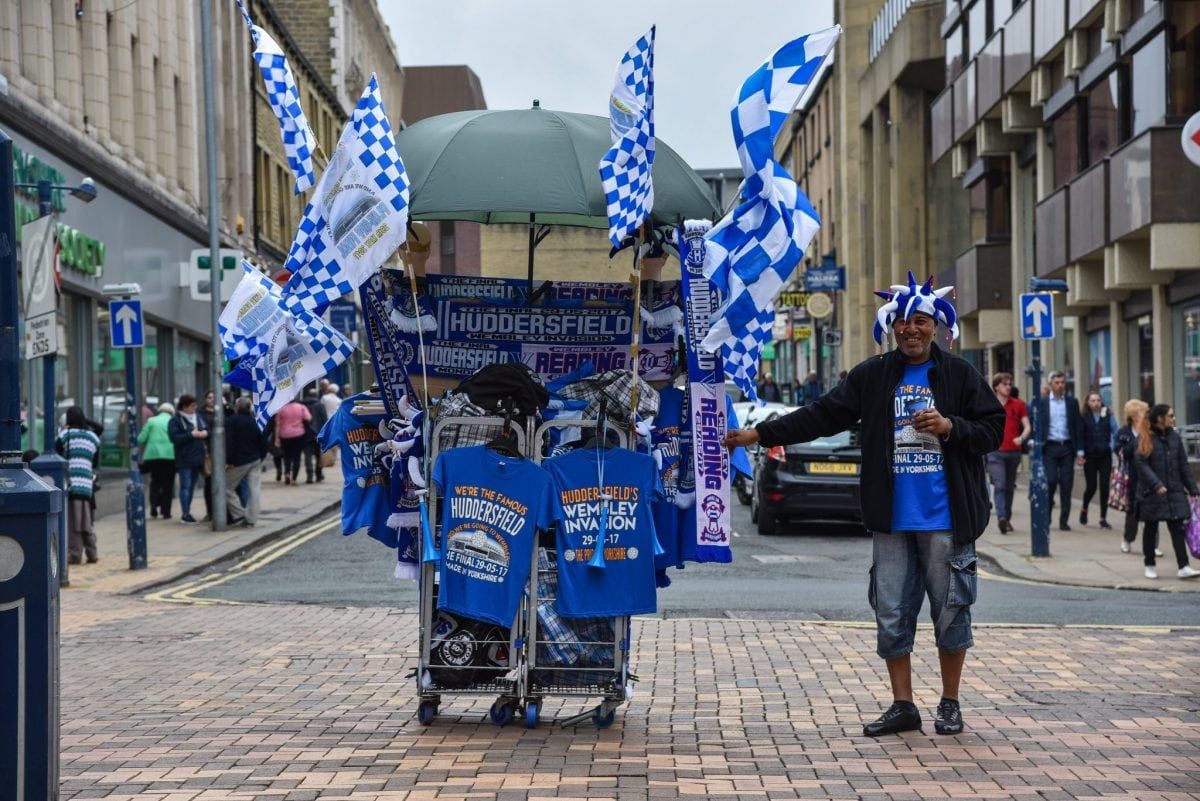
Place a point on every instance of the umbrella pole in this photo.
(412, 285)
(532, 245)
(635, 341)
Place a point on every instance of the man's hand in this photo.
(740, 438)
(1018, 441)
(931, 420)
(1161, 491)
(1079, 460)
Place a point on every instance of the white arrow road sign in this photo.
(1037, 315)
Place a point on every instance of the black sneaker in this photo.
(901, 716)
(188, 520)
(949, 717)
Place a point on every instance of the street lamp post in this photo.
(30, 512)
(50, 464)
(1039, 502)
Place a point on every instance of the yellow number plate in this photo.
(835, 468)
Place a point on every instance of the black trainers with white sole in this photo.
(900, 716)
(948, 719)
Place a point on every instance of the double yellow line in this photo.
(186, 592)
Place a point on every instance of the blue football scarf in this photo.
(705, 408)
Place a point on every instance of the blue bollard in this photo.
(53, 468)
(29, 614)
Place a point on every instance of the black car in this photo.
(816, 482)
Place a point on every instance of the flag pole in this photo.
(410, 268)
(635, 341)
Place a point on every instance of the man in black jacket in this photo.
(1060, 425)
(928, 418)
(245, 447)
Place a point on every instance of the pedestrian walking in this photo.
(80, 446)
(927, 420)
(312, 449)
(245, 447)
(291, 435)
(331, 400)
(1125, 446)
(158, 457)
(811, 389)
(768, 390)
(1002, 464)
(1060, 425)
(188, 433)
(1166, 482)
(1098, 429)
(208, 413)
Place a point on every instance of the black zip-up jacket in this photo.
(962, 396)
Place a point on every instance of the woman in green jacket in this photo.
(158, 459)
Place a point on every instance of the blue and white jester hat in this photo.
(904, 301)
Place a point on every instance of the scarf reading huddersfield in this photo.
(705, 404)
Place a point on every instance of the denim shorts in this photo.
(906, 567)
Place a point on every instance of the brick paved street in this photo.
(303, 702)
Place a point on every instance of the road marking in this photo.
(184, 593)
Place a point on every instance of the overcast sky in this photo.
(565, 53)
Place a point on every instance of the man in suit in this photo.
(1060, 426)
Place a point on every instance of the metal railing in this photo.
(886, 22)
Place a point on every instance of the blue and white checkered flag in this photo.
(277, 342)
(753, 250)
(625, 169)
(298, 140)
(358, 215)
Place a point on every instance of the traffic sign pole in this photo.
(127, 331)
(1039, 507)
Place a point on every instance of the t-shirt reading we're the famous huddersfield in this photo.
(492, 508)
(920, 501)
(625, 585)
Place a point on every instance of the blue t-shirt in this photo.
(625, 585)
(492, 507)
(664, 439)
(365, 479)
(920, 500)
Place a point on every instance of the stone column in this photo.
(68, 49)
(906, 147)
(37, 47)
(94, 46)
(10, 40)
(121, 83)
(1119, 356)
(880, 217)
(1164, 346)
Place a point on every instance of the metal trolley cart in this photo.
(581, 657)
(447, 661)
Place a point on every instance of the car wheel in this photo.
(743, 491)
(768, 524)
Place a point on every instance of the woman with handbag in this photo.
(1125, 474)
(188, 433)
(1166, 482)
(1098, 431)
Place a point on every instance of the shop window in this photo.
(189, 359)
(1103, 118)
(108, 393)
(1149, 84)
(1141, 349)
(1064, 145)
(991, 204)
(1187, 412)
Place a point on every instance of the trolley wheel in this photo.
(532, 710)
(426, 712)
(502, 712)
(604, 720)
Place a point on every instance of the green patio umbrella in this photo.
(533, 166)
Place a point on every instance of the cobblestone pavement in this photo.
(304, 702)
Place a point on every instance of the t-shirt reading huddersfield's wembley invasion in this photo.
(365, 491)
(920, 501)
(625, 585)
(492, 508)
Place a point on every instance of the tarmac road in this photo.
(806, 574)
